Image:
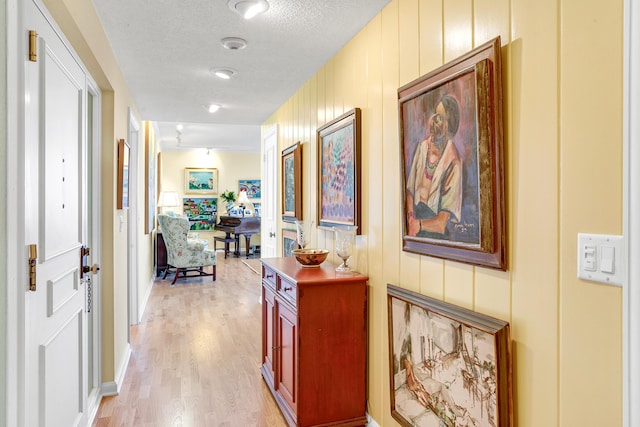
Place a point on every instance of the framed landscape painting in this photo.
(251, 186)
(201, 212)
(451, 151)
(200, 181)
(449, 366)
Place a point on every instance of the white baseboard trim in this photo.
(109, 389)
(112, 388)
(147, 295)
(371, 422)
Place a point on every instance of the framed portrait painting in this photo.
(122, 197)
(292, 183)
(452, 161)
(339, 171)
(449, 366)
(200, 181)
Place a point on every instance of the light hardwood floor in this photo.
(195, 358)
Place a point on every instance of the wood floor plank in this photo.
(195, 358)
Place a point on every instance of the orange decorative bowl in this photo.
(310, 257)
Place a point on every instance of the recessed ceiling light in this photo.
(248, 8)
(223, 73)
(233, 43)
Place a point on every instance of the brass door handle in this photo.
(93, 269)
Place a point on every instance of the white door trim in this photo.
(96, 209)
(132, 233)
(15, 348)
(631, 212)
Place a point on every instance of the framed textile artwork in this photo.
(451, 150)
(292, 183)
(449, 366)
(201, 212)
(122, 197)
(200, 181)
(339, 171)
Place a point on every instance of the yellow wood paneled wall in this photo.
(562, 83)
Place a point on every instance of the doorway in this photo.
(132, 223)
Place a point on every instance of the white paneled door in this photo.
(56, 209)
(269, 195)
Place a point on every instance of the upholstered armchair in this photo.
(184, 254)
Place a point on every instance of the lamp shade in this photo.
(168, 199)
(242, 197)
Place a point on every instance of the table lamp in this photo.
(243, 200)
(168, 199)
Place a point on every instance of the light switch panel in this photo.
(601, 258)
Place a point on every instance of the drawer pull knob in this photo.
(269, 276)
(275, 348)
(287, 289)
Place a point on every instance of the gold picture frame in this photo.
(200, 181)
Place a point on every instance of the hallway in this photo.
(195, 358)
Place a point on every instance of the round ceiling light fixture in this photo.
(212, 108)
(223, 73)
(248, 8)
(233, 43)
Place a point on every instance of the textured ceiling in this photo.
(166, 49)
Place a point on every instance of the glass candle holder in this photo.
(345, 241)
(302, 236)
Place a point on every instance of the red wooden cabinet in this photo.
(314, 342)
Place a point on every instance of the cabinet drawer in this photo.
(288, 290)
(269, 277)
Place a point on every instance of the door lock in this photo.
(93, 269)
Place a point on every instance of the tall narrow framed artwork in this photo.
(150, 180)
(200, 181)
(449, 366)
(452, 161)
(339, 171)
(292, 183)
(122, 196)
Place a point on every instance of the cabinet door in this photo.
(268, 344)
(287, 371)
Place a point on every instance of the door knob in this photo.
(272, 234)
(93, 269)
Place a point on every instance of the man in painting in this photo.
(434, 185)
